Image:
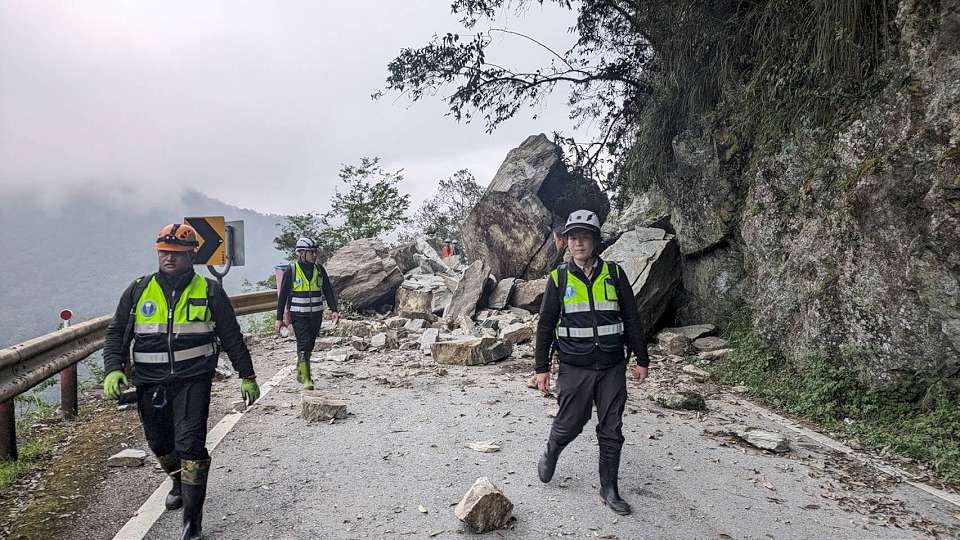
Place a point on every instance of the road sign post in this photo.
(69, 399)
(221, 243)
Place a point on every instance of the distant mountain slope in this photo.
(84, 253)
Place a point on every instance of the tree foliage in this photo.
(370, 205)
(442, 216)
(642, 71)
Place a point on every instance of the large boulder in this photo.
(463, 302)
(532, 193)
(474, 351)
(529, 294)
(651, 259)
(500, 296)
(403, 255)
(364, 273)
(422, 293)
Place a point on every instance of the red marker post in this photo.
(68, 378)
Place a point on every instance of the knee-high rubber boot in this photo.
(609, 493)
(303, 370)
(548, 461)
(194, 488)
(171, 465)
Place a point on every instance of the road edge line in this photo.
(150, 511)
(840, 447)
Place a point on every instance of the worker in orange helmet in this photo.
(170, 326)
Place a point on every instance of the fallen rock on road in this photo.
(484, 507)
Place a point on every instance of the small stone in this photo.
(396, 322)
(484, 507)
(327, 342)
(698, 374)
(384, 340)
(710, 343)
(222, 373)
(690, 401)
(490, 323)
(129, 457)
(428, 338)
(718, 355)
(673, 343)
(762, 439)
(316, 406)
(741, 389)
(518, 333)
(415, 325)
(486, 447)
(342, 354)
(693, 332)
(359, 343)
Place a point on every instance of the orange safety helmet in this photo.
(177, 237)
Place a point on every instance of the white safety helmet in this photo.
(306, 244)
(582, 219)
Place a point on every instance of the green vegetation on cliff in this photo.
(918, 419)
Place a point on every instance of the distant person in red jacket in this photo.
(447, 249)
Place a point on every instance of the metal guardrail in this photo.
(27, 364)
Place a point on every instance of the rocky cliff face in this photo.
(846, 242)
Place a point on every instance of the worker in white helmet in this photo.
(305, 288)
(590, 315)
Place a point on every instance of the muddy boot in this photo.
(303, 370)
(609, 494)
(171, 465)
(194, 489)
(548, 461)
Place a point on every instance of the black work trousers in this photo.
(174, 417)
(578, 389)
(307, 329)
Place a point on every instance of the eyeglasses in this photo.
(173, 254)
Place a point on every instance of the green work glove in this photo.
(112, 383)
(249, 390)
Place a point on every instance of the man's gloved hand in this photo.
(112, 384)
(249, 390)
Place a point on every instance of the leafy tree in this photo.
(371, 205)
(603, 72)
(642, 71)
(443, 215)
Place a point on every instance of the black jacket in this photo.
(329, 295)
(550, 314)
(227, 330)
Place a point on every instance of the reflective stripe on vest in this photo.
(590, 313)
(605, 330)
(190, 325)
(184, 328)
(306, 294)
(201, 351)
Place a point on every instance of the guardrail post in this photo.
(68, 379)
(68, 392)
(8, 431)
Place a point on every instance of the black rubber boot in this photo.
(171, 465)
(548, 461)
(194, 487)
(609, 494)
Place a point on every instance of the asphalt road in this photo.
(402, 447)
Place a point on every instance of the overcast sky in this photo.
(254, 103)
